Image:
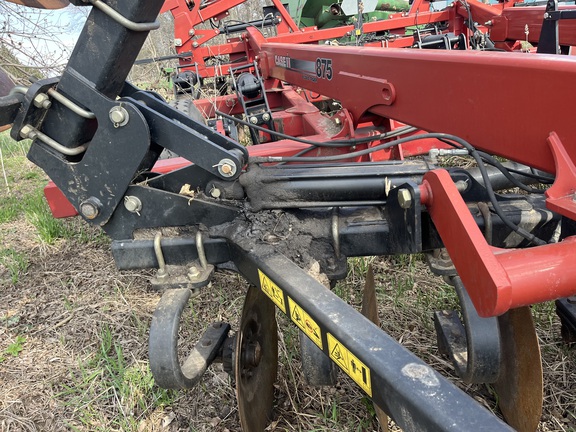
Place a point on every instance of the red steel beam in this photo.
(503, 103)
(496, 279)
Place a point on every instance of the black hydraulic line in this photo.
(447, 138)
(163, 58)
(490, 190)
(241, 25)
(335, 143)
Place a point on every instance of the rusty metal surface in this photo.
(370, 311)
(520, 386)
(256, 360)
(42, 4)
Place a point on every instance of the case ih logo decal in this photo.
(321, 68)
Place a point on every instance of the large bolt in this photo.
(253, 119)
(405, 198)
(178, 42)
(119, 116)
(265, 116)
(90, 208)
(42, 101)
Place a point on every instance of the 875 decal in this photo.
(324, 68)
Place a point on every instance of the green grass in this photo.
(110, 379)
(15, 262)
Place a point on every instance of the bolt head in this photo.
(265, 116)
(177, 42)
(191, 32)
(90, 208)
(253, 120)
(226, 168)
(405, 198)
(195, 44)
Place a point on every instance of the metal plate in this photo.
(256, 361)
(42, 4)
(519, 386)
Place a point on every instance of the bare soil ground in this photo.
(81, 328)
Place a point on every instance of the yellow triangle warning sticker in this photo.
(349, 363)
(272, 290)
(305, 322)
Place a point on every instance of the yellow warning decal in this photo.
(350, 364)
(272, 290)
(305, 322)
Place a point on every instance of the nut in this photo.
(193, 272)
(26, 131)
(42, 101)
(405, 198)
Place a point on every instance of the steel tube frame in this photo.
(411, 392)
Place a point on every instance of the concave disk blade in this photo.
(370, 311)
(42, 4)
(520, 386)
(256, 361)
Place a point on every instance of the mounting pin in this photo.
(226, 167)
(119, 116)
(133, 204)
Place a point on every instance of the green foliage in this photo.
(15, 262)
(38, 214)
(14, 348)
